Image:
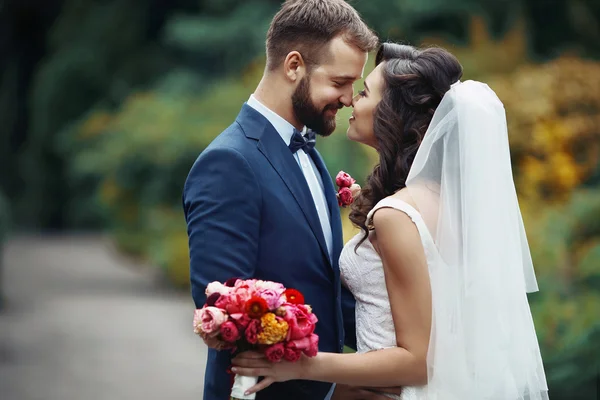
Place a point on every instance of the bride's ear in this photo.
(294, 66)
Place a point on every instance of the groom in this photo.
(259, 201)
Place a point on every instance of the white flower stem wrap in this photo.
(240, 385)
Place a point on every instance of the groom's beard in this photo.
(308, 114)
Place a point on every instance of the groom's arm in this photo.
(348, 304)
(221, 202)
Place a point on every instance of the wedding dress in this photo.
(362, 274)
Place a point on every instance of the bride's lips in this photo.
(352, 117)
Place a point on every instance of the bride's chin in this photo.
(351, 134)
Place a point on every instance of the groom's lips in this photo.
(332, 111)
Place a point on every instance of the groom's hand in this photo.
(346, 392)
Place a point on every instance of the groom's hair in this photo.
(308, 26)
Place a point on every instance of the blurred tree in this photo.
(97, 51)
(565, 243)
(554, 121)
(100, 51)
(23, 27)
(553, 113)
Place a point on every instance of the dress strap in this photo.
(398, 204)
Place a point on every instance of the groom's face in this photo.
(328, 87)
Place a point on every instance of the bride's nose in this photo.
(354, 100)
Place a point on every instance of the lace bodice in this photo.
(362, 273)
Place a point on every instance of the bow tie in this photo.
(306, 142)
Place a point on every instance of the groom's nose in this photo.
(346, 98)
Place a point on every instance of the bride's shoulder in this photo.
(404, 196)
(387, 208)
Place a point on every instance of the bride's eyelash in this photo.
(362, 93)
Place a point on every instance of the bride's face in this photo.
(364, 103)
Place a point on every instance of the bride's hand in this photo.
(256, 364)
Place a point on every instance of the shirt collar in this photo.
(283, 127)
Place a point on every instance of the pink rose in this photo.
(247, 284)
(252, 331)
(274, 298)
(208, 320)
(301, 322)
(229, 332)
(232, 303)
(344, 180)
(244, 290)
(275, 352)
(197, 321)
(292, 354)
(345, 197)
(308, 345)
(278, 287)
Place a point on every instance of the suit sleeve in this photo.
(348, 304)
(221, 202)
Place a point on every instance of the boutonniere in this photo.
(348, 189)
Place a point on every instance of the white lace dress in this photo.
(362, 272)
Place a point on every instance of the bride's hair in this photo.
(415, 80)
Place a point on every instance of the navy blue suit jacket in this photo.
(250, 214)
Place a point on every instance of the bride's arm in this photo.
(407, 281)
(408, 287)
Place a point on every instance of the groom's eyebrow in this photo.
(346, 78)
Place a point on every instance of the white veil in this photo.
(483, 344)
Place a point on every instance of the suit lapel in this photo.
(332, 203)
(282, 160)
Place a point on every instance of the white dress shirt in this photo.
(306, 164)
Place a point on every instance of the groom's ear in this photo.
(294, 66)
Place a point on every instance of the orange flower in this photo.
(256, 307)
(274, 329)
(293, 296)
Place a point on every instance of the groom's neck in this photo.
(276, 96)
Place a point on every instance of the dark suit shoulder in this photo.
(233, 138)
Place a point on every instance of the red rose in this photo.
(275, 352)
(252, 331)
(344, 180)
(292, 354)
(345, 197)
(231, 282)
(308, 345)
(229, 332)
(212, 299)
(241, 320)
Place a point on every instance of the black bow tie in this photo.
(306, 142)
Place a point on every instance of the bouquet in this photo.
(348, 189)
(257, 315)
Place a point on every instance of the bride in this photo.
(441, 267)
